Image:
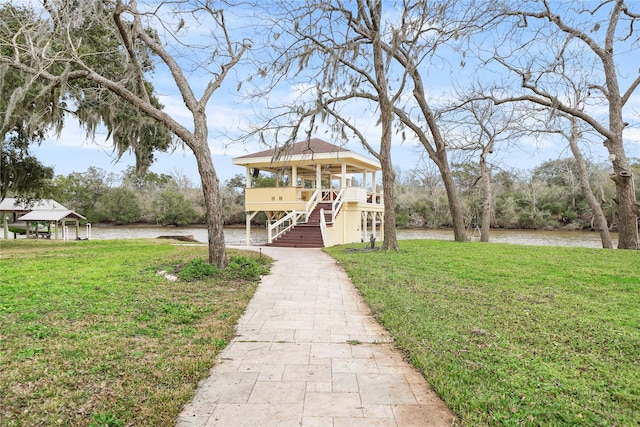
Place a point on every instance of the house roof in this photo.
(306, 155)
(52, 215)
(309, 147)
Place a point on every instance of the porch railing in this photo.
(336, 205)
(323, 226)
(283, 225)
(312, 203)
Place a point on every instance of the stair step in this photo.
(306, 235)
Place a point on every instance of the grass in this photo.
(513, 335)
(92, 336)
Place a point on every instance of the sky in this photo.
(228, 113)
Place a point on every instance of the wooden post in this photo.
(374, 190)
(248, 228)
(318, 176)
(5, 226)
(374, 216)
(364, 219)
(248, 183)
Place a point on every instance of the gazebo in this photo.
(45, 211)
(324, 195)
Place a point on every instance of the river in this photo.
(236, 236)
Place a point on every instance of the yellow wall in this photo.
(275, 199)
(351, 232)
(348, 223)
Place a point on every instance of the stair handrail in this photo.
(323, 226)
(336, 205)
(312, 203)
(292, 217)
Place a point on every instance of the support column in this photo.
(374, 217)
(364, 218)
(294, 176)
(343, 178)
(248, 183)
(269, 239)
(5, 226)
(374, 190)
(248, 228)
(318, 176)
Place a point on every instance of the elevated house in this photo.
(325, 195)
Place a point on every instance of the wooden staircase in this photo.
(306, 235)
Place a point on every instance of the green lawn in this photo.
(513, 335)
(91, 335)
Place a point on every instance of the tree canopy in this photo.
(33, 107)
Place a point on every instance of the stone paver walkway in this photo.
(309, 353)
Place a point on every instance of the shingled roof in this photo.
(11, 204)
(38, 210)
(310, 146)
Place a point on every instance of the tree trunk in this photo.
(212, 197)
(583, 178)
(487, 199)
(627, 212)
(623, 178)
(211, 189)
(455, 206)
(390, 242)
(625, 195)
(437, 153)
(625, 200)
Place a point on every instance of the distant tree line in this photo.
(547, 197)
(129, 198)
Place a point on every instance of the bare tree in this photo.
(556, 46)
(354, 33)
(54, 50)
(569, 128)
(371, 57)
(600, 220)
(481, 127)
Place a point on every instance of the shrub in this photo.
(196, 269)
(244, 268)
(239, 268)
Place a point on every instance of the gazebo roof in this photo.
(39, 210)
(54, 215)
(306, 155)
(11, 204)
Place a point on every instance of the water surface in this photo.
(237, 236)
